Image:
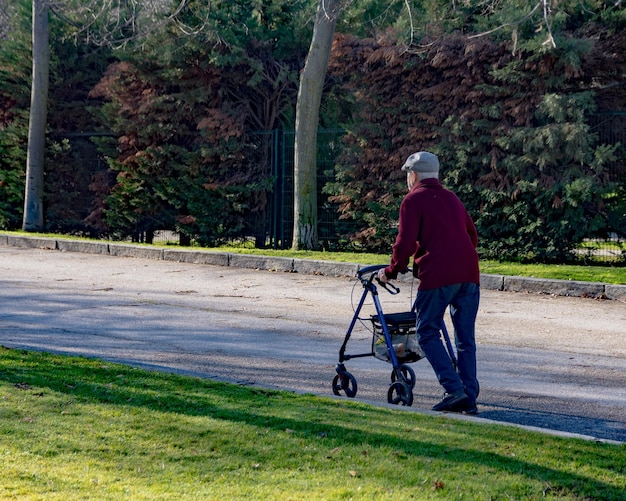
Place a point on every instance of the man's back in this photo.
(445, 235)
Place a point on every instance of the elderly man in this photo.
(436, 229)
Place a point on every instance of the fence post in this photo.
(277, 182)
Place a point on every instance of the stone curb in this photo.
(492, 282)
(556, 287)
(194, 257)
(615, 292)
(325, 268)
(311, 267)
(124, 250)
(84, 247)
(31, 243)
(260, 262)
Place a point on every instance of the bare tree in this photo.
(33, 197)
(307, 118)
(4, 18)
(115, 23)
(546, 9)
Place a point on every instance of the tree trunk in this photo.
(307, 119)
(33, 197)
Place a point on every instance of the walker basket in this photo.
(403, 339)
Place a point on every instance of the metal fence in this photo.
(280, 229)
(273, 227)
(611, 129)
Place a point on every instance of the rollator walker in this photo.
(393, 341)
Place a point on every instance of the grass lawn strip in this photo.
(76, 428)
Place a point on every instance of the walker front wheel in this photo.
(400, 394)
(344, 381)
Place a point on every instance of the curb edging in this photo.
(572, 288)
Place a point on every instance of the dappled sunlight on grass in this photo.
(78, 428)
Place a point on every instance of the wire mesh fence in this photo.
(610, 248)
(273, 227)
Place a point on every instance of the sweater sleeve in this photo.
(405, 245)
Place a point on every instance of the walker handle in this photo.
(373, 272)
(369, 269)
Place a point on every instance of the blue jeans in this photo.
(431, 306)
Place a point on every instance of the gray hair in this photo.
(427, 175)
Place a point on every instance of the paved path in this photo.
(544, 361)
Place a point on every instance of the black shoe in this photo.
(470, 408)
(452, 402)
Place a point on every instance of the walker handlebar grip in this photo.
(369, 269)
(372, 271)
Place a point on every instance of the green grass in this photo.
(76, 428)
(610, 245)
(603, 274)
(595, 273)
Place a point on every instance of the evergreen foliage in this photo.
(510, 127)
(14, 104)
(74, 71)
(183, 107)
(70, 161)
(509, 113)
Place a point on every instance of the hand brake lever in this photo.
(392, 289)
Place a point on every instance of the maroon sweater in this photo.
(436, 229)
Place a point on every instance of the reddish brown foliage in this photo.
(464, 88)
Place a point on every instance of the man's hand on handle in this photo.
(382, 277)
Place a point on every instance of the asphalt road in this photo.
(551, 362)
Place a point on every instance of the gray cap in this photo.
(422, 161)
